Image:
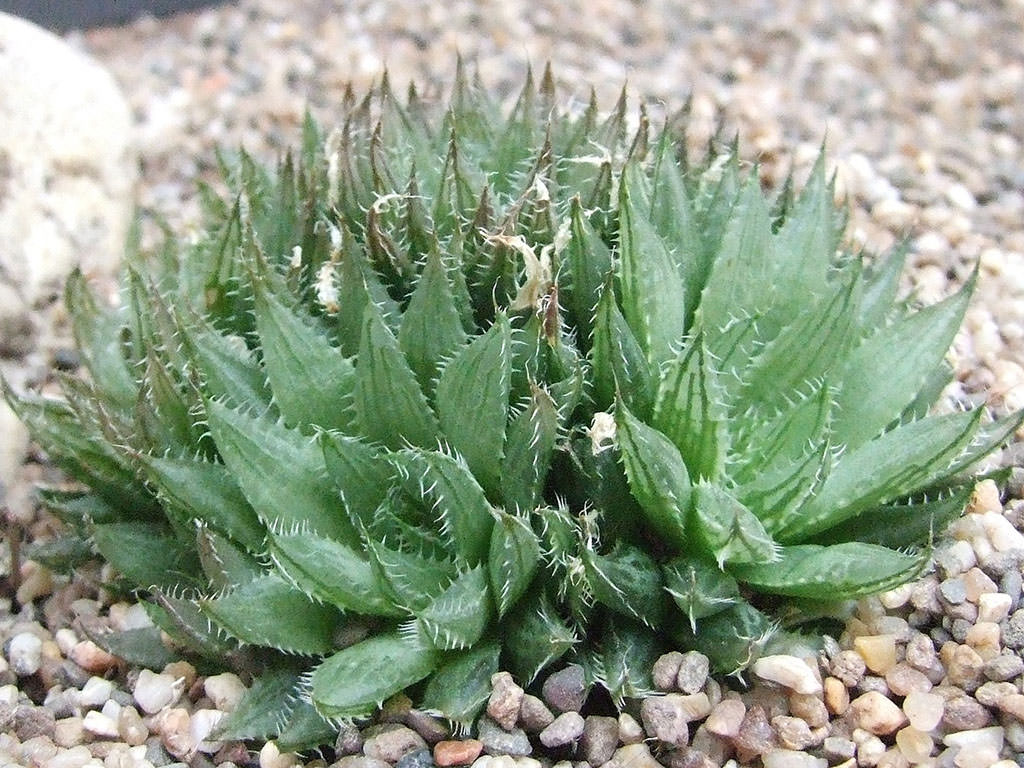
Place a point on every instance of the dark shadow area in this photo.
(62, 15)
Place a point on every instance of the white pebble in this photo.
(201, 726)
(124, 616)
(25, 654)
(991, 737)
(788, 758)
(154, 691)
(66, 640)
(272, 757)
(9, 695)
(788, 671)
(924, 710)
(225, 691)
(1001, 532)
(994, 606)
(76, 757)
(98, 724)
(95, 692)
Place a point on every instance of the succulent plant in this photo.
(447, 392)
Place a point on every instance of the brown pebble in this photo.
(457, 752)
(903, 679)
(964, 667)
(808, 707)
(837, 696)
(91, 657)
(849, 667)
(876, 714)
(793, 733)
(965, 713)
(726, 718)
(756, 735)
(1013, 705)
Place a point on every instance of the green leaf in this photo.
(391, 407)
(805, 350)
(227, 368)
(626, 655)
(460, 688)
(529, 445)
(141, 647)
(653, 296)
(880, 287)
(732, 639)
(281, 473)
(146, 554)
(657, 476)
(359, 288)
(804, 245)
(618, 362)
(690, 410)
(185, 623)
(354, 681)
(305, 729)
(727, 530)
(472, 402)
(512, 559)
(225, 564)
(699, 588)
(457, 618)
(886, 371)
(628, 581)
(330, 571)
(535, 636)
(97, 333)
(457, 502)
(410, 580)
(162, 412)
(903, 524)
(431, 327)
(312, 381)
(898, 463)
(359, 472)
(262, 708)
(207, 492)
(269, 611)
(589, 264)
(742, 265)
(837, 572)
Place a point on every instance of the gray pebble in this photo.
(959, 628)
(431, 728)
(838, 749)
(359, 761)
(349, 741)
(1003, 667)
(505, 699)
(534, 715)
(498, 741)
(1013, 630)
(420, 758)
(566, 689)
(156, 754)
(390, 742)
(756, 734)
(30, 721)
(565, 729)
(600, 738)
(849, 667)
(693, 672)
(664, 720)
(965, 713)
(665, 671)
(1011, 584)
(953, 591)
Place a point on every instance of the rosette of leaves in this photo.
(448, 392)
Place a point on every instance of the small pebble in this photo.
(756, 735)
(793, 732)
(924, 710)
(565, 729)
(534, 715)
(916, 745)
(786, 758)
(630, 731)
(272, 757)
(225, 690)
(566, 689)
(497, 741)
(155, 691)
(92, 658)
(877, 714)
(693, 672)
(878, 652)
(726, 717)
(98, 724)
(633, 756)
(392, 742)
(599, 739)
(665, 671)
(447, 753)
(505, 700)
(418, 758)
(95, 692)
(25, 654)
(789, 672)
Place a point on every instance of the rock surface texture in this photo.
(66, 184)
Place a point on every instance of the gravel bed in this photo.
(920, 105)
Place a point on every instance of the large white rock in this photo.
(67, 177)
